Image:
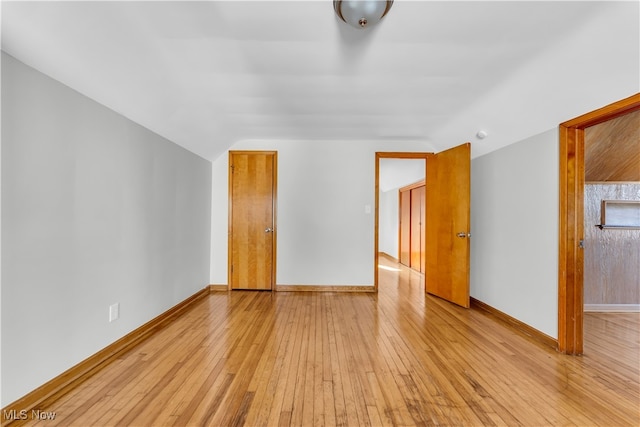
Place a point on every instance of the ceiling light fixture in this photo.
(361, 13)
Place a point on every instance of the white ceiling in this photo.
(208, 74)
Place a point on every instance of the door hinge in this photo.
(232, 168)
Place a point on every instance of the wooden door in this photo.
(416, 227)
(423, 222)
(252, 235)
(448, 224)
(405, 227)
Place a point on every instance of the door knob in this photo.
(463, 235)
(268, 230)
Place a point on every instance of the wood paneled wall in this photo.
(611, 256)
(612, 149)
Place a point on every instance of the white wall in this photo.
(394, 174)
(514, 227)
(95, 210)
(324, 236)
(389, 224)
(397, 173)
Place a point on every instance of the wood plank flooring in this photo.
(398, 358)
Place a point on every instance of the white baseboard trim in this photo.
(612, 308)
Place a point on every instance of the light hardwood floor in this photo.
(351, 359)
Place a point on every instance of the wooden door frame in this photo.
(388, 155)
(274, 201)
(571, 224)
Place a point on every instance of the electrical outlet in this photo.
(114, 312)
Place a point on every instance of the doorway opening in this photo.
(395, 171)
(571, 221)
(446, 205)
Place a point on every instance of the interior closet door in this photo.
(423, 234)
(417, 228)
(252, 234)
(412, 226)
(405, 227)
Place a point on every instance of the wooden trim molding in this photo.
(65, 382)
(571, 232)
(315, 288)
(516, 324)
(218, 288)
(608, 112)
(571, 221)
(610, 182)
(612, 308)
(420, 183)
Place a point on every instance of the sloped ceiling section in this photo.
(208, 74)
(612, 150)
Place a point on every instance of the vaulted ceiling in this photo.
(208, 74)
(612, 150)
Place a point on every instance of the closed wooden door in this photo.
(405, 227)
(412, 228)
(423, 234)
(252, 231)
(417, 228)
(448, 223)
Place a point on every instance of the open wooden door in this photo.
(448, 197)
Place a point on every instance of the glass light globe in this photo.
(361, 13)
